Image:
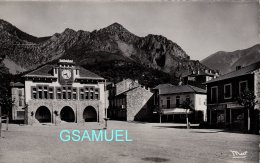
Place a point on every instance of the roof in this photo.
(125, 92)
(181, 89)
(129, 90)
(243, 71)
(47, 71)
(84, 73)
(160, 86)
(201, 73)
(17, 84)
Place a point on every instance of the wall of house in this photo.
(33, 104)
(125, 85)
(78, 108)
(139, 101)
(201, 104)
(257, 88)
(29, 84)
(18, 110)
(163, 99)
(235, 88)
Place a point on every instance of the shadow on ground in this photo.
(213, 130)
(155, 159)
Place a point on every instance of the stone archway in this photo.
(43, 114)
(90, 114)
(67, 114)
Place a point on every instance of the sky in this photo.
(201, 28)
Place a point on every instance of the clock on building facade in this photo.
(66, 76)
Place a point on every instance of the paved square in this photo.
(152, 142)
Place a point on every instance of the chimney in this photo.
(238, 67)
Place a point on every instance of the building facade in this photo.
(223, 93)
(61, 92)
(129, 101)
(199, 78)
(170, 100)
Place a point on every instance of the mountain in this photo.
(228, 61)
(112, 52)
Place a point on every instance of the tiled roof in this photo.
(160, 86)
(240, 72)
(84, 73)
(181, 89)
(47, 71)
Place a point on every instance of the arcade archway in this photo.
(67, 114)
(43, 114)
(90, 114)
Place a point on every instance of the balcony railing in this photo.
(170, 106)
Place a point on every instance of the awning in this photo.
(176, 111)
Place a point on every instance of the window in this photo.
(86, 93)
(20, 114)
(97, 94)
(64, 94)
(45, 92)
(177, 101)
(227, 91)
(58, 93)
(74, 93)
(91, 93)
(242, 87)
(168, 102)
(40, 92)
(34, 93)
(214, 94)
(20, 93)
(69, 93)
(82, 94)
(51, 93)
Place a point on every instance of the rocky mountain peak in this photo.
(115, 27)
(112, 43)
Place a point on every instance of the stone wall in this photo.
(125, 85)
(57, 105)
(138, 101)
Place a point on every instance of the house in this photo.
(169, 101)
(59, 92)
(129, 101)
(223, 92)
(200, 77)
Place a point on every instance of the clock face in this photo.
(66, 74)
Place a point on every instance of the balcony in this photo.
(171, 106)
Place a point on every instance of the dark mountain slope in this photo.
(227, 61)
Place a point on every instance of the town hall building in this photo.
(59, 92)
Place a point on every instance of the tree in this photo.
(6, 103)
(247, 99)
(187, 105)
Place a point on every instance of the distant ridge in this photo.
(228, 61)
